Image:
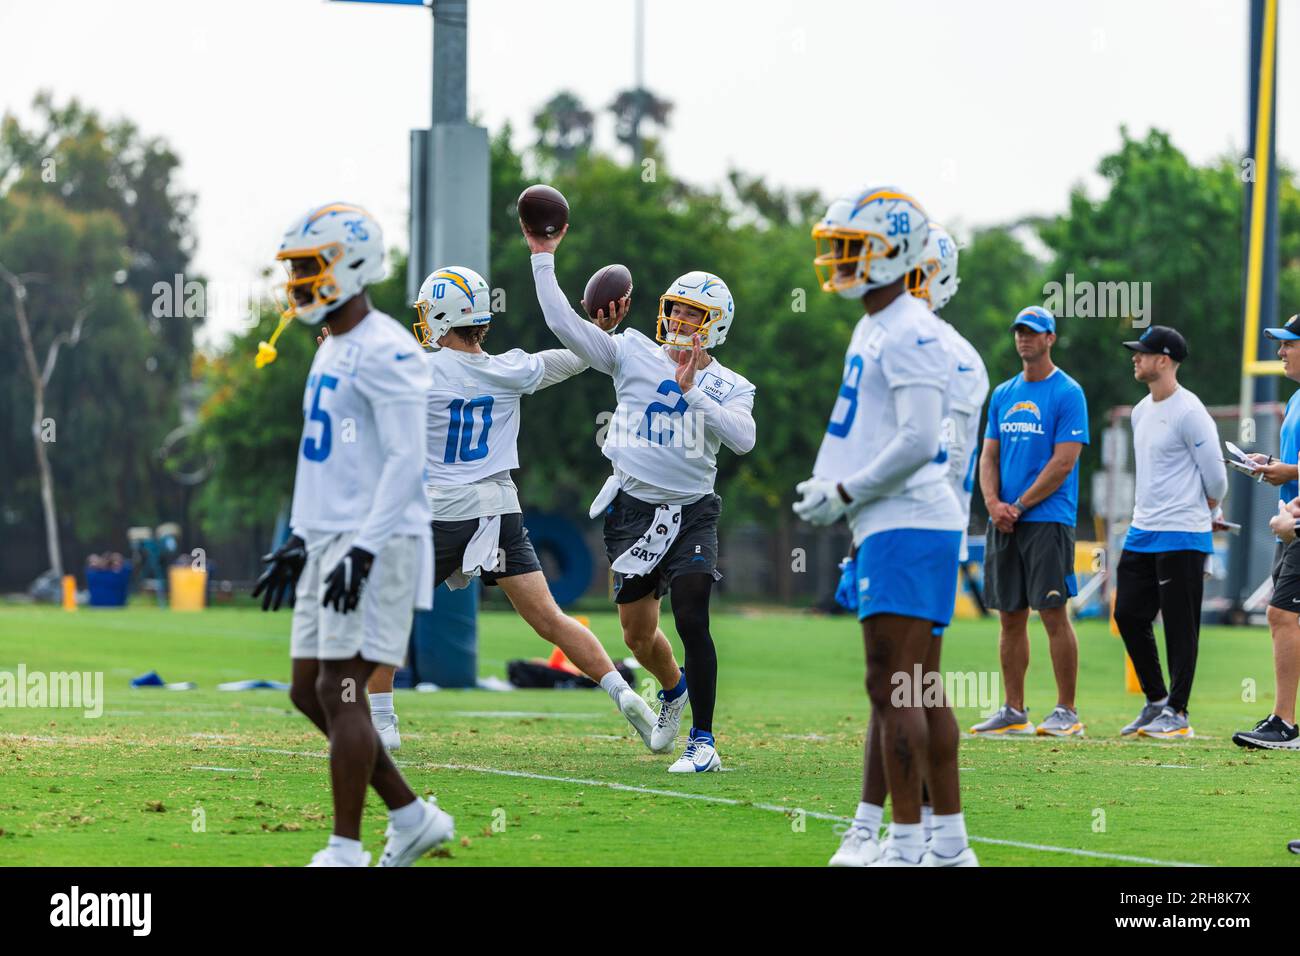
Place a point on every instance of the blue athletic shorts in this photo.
(911, 572)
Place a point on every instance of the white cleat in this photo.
(965, 858)
(891, 856)
(664, 734)
(858, 847)
(329, 857)
(386, 727)
(407, 845)
(700, 756)
(638, 714)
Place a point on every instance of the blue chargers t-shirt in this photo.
(1029, 419)
(1289, 444)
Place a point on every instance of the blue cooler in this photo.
(108, 588)
(444, 641)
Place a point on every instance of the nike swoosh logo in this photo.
(1199, 443)
(965, 368)
(921, 341)
(1077, 431)
(406, 355)
(1165, 581)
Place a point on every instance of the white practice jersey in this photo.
(658, 436)
(663, 444)
(1178, 464)
(473, 425)
(967, 390)
(366, 388)
(901, 345)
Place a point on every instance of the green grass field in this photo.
(211, 778)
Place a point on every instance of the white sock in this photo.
(869, 817)
(909, 840)
(403, 818)
(350, 850)
(949, 834)
(381, 705)
(1159, 703)
(614, 685)
(927, 820)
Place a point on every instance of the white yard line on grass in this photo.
(727, 801)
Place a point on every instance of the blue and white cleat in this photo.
(668, 723)
(700, 756)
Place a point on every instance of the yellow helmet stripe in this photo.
(885, 194)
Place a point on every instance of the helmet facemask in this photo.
(423, 333)
(844, 256)
(680, 332)
(919, 279)
(321, 287)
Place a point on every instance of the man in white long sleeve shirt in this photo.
(473, 432)
(882, 467)
(360, 555)
(1181, 479)
(677, 405)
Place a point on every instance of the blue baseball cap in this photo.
(1289, 332)
(1039, 319)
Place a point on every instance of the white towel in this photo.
(481, 553)
(608, 492)
(642, 557)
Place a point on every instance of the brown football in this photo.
(543, 210)
(607, 285)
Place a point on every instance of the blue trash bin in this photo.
(444, 641)
(108, 588)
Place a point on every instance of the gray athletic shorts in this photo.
(694, 551)
(1286, 577)
(451, 537)
(1033, 567)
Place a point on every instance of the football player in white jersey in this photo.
(934, 281)
(883, 467)
(360, 556)
(473, 434)
(677, 405)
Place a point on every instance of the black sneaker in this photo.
(1272, 733)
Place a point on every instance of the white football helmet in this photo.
(348, 246)
(869, 241)
(451, 298)
(934, 280)
(699, 290)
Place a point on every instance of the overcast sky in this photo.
(986, 111)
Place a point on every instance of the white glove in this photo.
(821, 503)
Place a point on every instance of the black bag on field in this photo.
(535, 674)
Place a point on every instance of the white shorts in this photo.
(379, 629)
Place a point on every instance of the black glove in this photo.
(343, 585)
(281, 577)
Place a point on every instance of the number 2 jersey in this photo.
(473, 426)
(663, 444)
(901, 345)
(361, 457)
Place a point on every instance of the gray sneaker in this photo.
(1061, 722)
(1149, 713)
(1170, 725)
(1007, 722)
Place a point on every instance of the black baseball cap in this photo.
(1161, 340)
(1289, 331)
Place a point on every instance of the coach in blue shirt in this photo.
(1029, 471)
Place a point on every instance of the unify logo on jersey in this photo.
(714, 387)
(1033, 428)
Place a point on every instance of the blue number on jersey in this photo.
(318, 449)
(647, 430)
(460, 432)
(848, 391)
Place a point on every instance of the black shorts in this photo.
(1286, 577)
(451, 537)
(1031, 567)
(694, 551)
